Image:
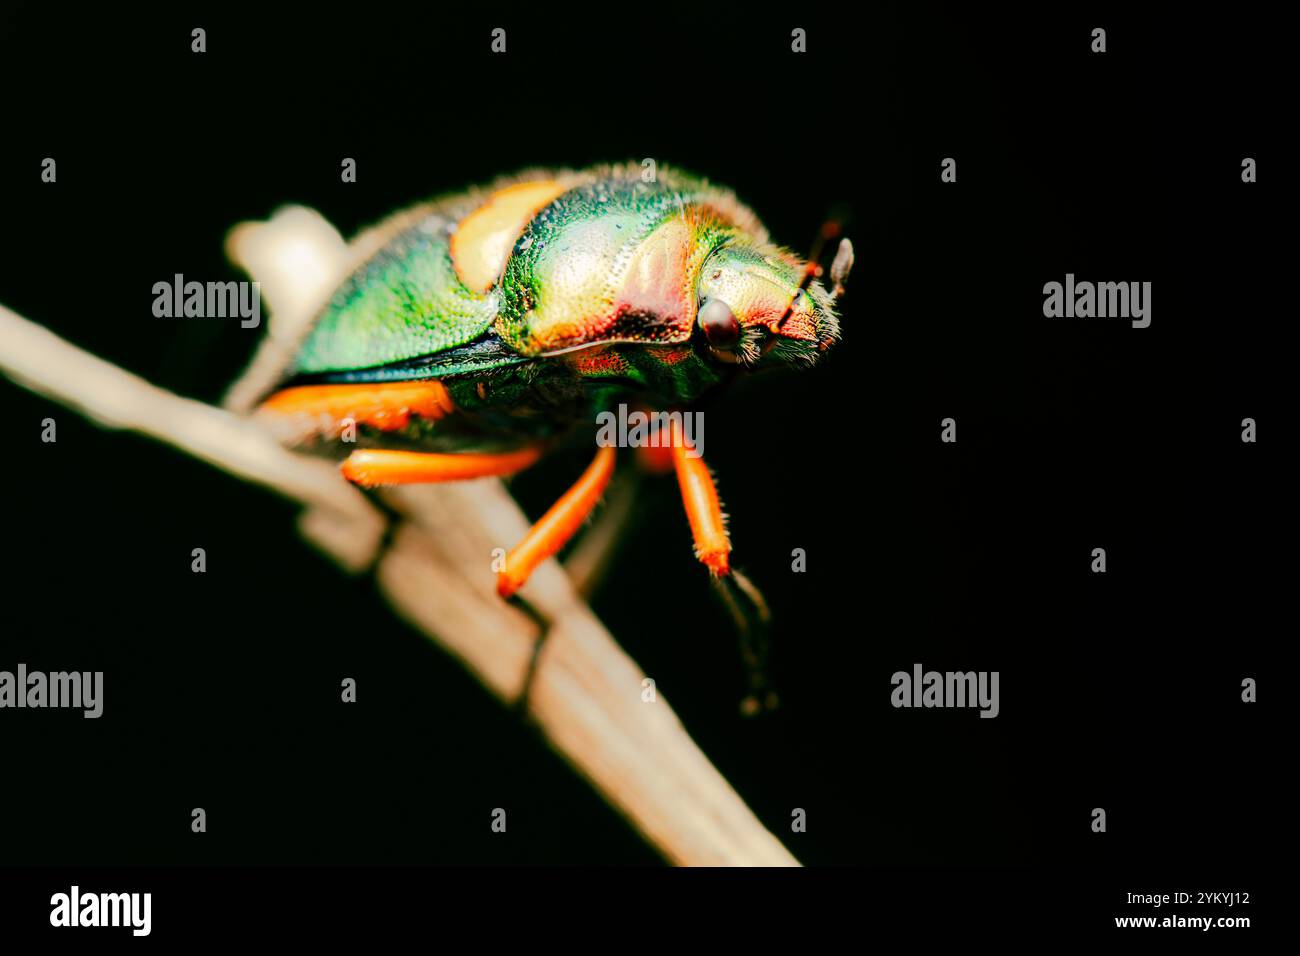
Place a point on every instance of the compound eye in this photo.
(719, 324)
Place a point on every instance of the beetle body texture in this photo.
(526, 306)
(486, 325)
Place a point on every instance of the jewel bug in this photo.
(490, 324)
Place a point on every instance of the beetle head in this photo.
(759, 304)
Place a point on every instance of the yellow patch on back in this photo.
(482, 241)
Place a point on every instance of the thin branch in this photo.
(587, 697)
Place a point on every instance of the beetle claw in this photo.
(840, 267)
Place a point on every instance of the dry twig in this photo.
(587, 698)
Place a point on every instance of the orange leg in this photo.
(387, 406)
(741, 599)
(373, 467)
(703, 509)
(655, 459)
(304, 412)
(558, 525)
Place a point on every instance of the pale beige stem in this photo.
(588, 696)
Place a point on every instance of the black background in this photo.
(1119, 690)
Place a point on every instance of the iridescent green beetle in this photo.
(492, 323)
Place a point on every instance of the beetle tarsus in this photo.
(840, 268)
(749, 611)
(522, 702)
